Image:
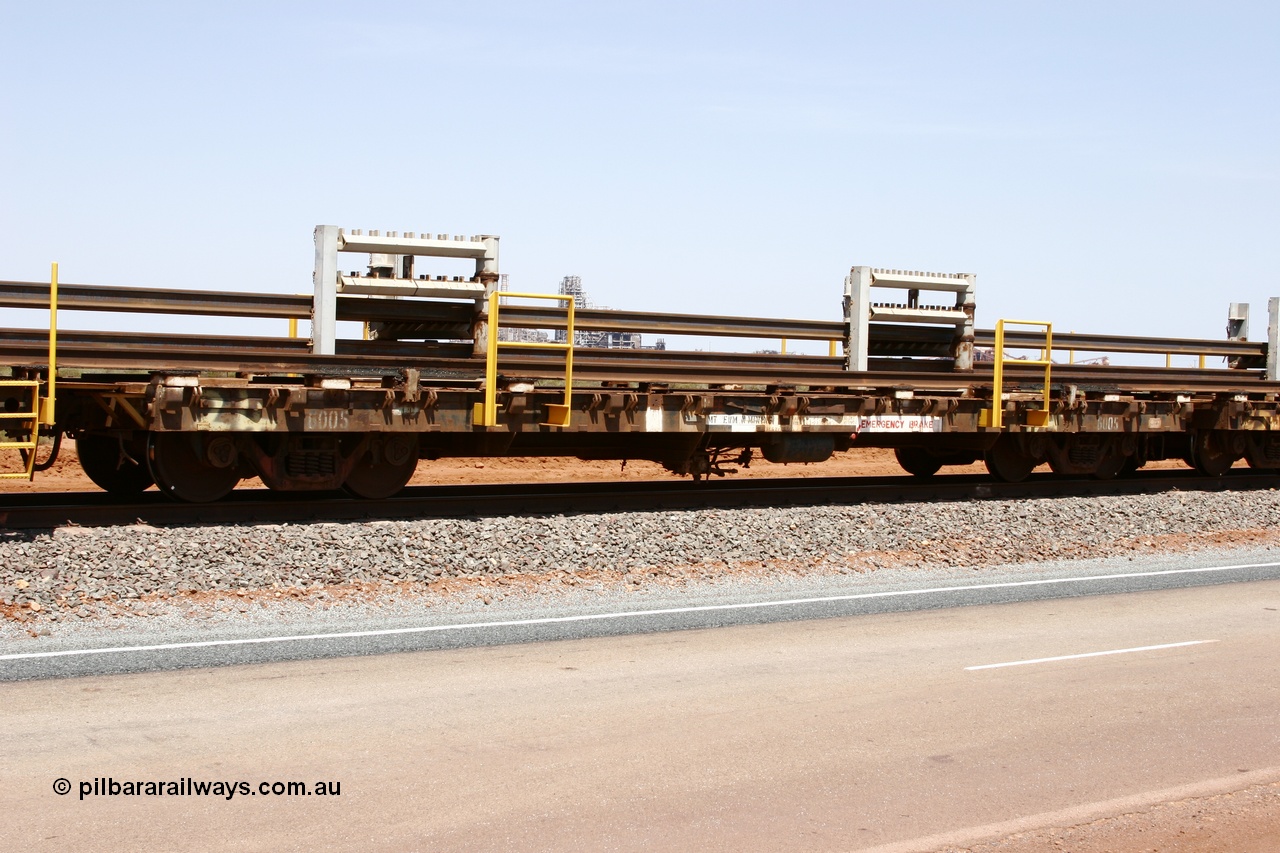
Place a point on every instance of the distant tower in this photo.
(571, 285)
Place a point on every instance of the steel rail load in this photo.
(457, 366)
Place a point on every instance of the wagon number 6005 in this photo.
(327, 419)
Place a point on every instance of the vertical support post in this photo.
(50, 400)
(486, 274)
(1237, 326)
(857, 318)
(1238, 321)
(324, 306)
(491, 366)
(1273, 339)
(783, 351)
(964, 344)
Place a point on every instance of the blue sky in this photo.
(1112, 167)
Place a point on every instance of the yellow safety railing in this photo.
(486, 413)
(25, 445)
(831, 348)
(994, 417)
(41, 412)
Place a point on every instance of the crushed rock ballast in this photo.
(82, 573)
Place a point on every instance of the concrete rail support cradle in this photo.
(860, 311)
(391, 274)
(1273, 339)
(324, 310)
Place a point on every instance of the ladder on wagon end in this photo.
(557, 414)
(25, 412)
(994, 417)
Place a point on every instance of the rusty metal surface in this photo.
(1089, 343)
(446, 315)
(143, 300)
(612, 320)
(120, 351)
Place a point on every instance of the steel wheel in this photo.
(1008, 462)
(180, 470)
(118, 473)
(384, 470)
(917, 461)
(1209, 456)
(1131, 466)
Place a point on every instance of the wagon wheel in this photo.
(120, 473)
(1008, 462)
(917, 461)
(178, 464)
(1112, 460)
(1132, 464)
(1209, 455)
(384, 470)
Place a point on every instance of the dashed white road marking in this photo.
(1089, 655)
(625, 614)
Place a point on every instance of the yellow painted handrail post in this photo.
(568, 358)
(491, 364)
(1048, 363)
(488, 415)
(52, 396)
(1046, 359)
(997, 393)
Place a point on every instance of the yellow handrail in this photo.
(996, 412)
(42, 409)
(52, 395)
(486, 414)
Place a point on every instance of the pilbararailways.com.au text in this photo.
(187, 787)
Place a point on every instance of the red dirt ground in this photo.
(66, 476)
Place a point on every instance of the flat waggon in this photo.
(460, 366)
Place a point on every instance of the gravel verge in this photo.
(72, 574)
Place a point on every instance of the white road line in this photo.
(1089, 655)
(626, 614)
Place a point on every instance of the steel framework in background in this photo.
(571, 287)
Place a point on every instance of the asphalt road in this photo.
(146, 645)
(891, 731)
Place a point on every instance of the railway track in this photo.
(261, 506)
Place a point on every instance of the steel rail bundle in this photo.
(123, 351)
(142, 300)
(195, 414)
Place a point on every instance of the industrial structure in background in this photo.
(571, 285)
(458, 365)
